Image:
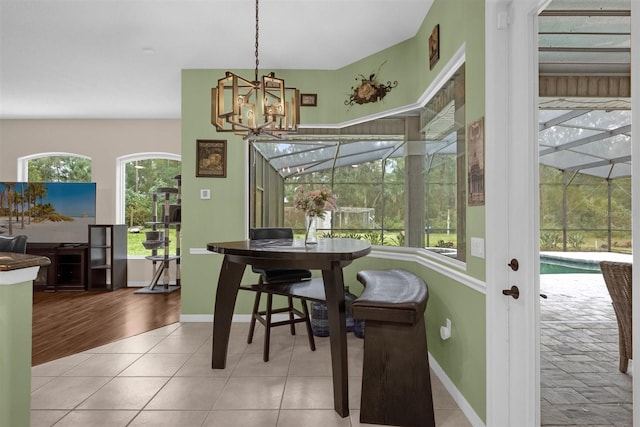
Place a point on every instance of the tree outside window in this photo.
(59, 169)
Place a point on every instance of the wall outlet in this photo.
(205, 194)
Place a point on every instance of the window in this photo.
(55, 167)
(366, 177)
(443, 127)
(399, 181)
(141, 176)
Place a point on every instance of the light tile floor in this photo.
(163, 378)
(580, 381)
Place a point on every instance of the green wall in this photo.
(16, 309)
(222, 218)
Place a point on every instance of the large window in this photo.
(399, 181)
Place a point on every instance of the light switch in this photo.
(205, 194)
(477, 247)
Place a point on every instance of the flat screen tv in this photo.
(48, 212)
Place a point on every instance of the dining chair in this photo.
(291, 283)
(617, 277)
(17, 244)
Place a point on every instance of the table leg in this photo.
(228, 283)
(334, 290)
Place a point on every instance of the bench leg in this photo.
(396, 382)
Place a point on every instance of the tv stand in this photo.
(68, 268)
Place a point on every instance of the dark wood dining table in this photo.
(328, 255)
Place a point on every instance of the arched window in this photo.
(54, 167)
(139, 176)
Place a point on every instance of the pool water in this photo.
(552, 265)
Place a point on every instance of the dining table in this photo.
(329, 255)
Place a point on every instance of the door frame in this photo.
(512, 218)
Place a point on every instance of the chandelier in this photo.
(254, 108)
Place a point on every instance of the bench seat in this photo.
(396, 381)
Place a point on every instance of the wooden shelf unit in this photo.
(107, 267)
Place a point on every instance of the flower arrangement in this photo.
(314, 202)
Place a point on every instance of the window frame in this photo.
(121, 181)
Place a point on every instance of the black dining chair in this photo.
(291, 283)
(17, 244)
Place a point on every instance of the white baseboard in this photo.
(464, 406)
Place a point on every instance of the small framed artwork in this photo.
(475, 155)
(308, 99)
(211, 158)
(434, 47)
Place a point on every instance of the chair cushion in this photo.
(284, 275)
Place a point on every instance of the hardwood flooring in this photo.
(66, 323)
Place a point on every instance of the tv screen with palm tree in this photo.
(48, 212)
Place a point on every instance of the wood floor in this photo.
(65, 323)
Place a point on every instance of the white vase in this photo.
(311, 236)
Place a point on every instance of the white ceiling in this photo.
(122, 58)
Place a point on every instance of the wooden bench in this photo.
(396, 382)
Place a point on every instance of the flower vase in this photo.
(311, 236)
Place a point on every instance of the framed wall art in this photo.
(308, 99)
(211, 158)
(434, 47)
(475, 156)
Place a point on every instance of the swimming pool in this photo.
(557, 265)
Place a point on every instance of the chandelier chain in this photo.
(257, 29)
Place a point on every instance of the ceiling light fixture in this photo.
(255, 108)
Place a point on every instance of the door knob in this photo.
(514, 292)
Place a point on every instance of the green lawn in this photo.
(135, 247)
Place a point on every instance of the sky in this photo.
(74, 199)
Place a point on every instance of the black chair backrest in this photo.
(17, 244)
(275, 275)
(271, 233)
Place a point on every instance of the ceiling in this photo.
(122, 58)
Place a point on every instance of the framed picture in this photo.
(308, 99)
(475, 156)
(434, 47)
(211, 158)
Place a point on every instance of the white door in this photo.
(512, 225)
